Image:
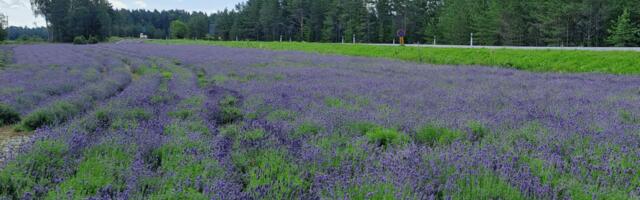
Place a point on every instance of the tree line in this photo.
(3, 24)
(492, 22)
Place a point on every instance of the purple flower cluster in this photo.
(299, 126)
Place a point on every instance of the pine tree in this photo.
(623, 32)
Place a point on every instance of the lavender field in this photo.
(144, 121)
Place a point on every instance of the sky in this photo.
(20, 13)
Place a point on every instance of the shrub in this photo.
(361, 127)
(253, 135)
(137, 114)
(93, 40)
(228, 100)
(385, 136)
(367, 191)
(8, 115)
(182, 159)
(478, 130)
(230, 130)
(58, 112)
(103, 165)
(272, 170)
(306, 128)
(79, 40)
(432, 134)
(35, 168)
(628, 117)
(281, 115)
(100, 119)
(182, 114)
(486, 185)
(230, 114)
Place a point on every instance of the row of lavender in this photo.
(203, 122)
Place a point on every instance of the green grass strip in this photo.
(564, 61)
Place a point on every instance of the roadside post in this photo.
(471, 42)
(401, 33)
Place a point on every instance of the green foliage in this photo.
(179, 30)
(58, 112)
(253, 135)
(361, 128)
(138, 114)
(167, 75)
(281, 115)
(304, 129)
(182, 114)
(230, 114)
(101, 118)
(563, 61)
(229, 111)
(38, 167)
(385, 136)
(230, 130)
(8, 115)
(574, 188)
(79, 40)
(486, 185)
(3, 33)
(334, 102)
(271, 169)
(180, 161)
(93, 40)
(103, 165)
(228, 101)
(340, 149)
(628, 117)
(376, 191)
(144, 70)
(623, 32)
(478, 130)
(433, 134)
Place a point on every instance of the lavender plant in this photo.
(141, 121)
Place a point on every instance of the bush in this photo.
(230, 115)
(38, 167)
(231, 130)
(8, 115)
(228, 101)
(57, 113)
(306, 128)
(432, 134)
(270, 170)
(478, 130)
(93, 40)
(79, 40)
(103, 165)
(253, 135)
(281, 115)
(385, 136)
(486, 185)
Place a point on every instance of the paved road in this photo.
(521, 47)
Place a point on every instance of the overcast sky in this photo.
(20, 13)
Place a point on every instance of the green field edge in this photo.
(556, 61)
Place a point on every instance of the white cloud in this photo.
(118, 4)
(140, 3)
